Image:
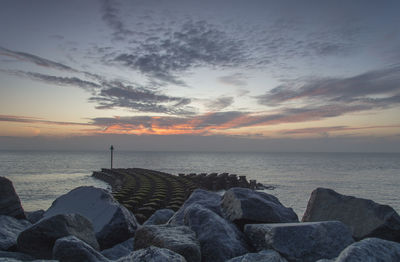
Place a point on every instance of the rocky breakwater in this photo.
(88, 224)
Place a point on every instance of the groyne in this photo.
(144, 191)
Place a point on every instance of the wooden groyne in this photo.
(144, 191)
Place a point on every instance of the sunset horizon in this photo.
(182, 75)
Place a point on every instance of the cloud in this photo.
(59, 80)
(195, 44)
(378, 88)
(35, 120)
(233, 79)
(21, 56)
(326, 130)
(209, 123)
(140, 99)
(220, 103)
(111, 17)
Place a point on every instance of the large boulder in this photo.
(34, 216)
(370, 250)
(219, 239)
(179, 239)
(112, 222)
(10, 204)
(201, 197)
(10, 228)
(160, 217)
(38, 240)
(153, 254)
(262, 256)
(246, 206)
(306, 242)
(72, 249)
(365, 217)
(119, 250)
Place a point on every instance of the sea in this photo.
(39, 177)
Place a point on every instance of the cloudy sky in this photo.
(200, 75)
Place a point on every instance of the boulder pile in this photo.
(243, 225)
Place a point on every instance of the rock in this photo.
(10, 228)
(120, 250)
(34, 216)
(160, 217)
(10, 204)
(153, 254)
(201, 197)
(245, 206)
(219, 239)
(15, 255)
(179, 239)
(262, 256)
(112, 222)
(38, 240)
(306, 242)
(72, 249)
(370, 249)
(365, 217)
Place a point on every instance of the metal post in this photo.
(112, 152)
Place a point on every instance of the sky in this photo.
(200, 75)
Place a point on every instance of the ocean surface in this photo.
(40, 177)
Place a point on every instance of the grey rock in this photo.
(38, 240)
(365, 217)
(153, 254)
(10, 228)
(179, 239)
(245, 206)
(160, 217)
(219, 239)
(10, 204)
(112, 222)
(201, 197)
(306, 242)
(34, 216)
(119, 250)
(72, 249)
(371, 250)
(262, 256)
(15, 255)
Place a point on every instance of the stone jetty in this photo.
(89, 224)
(144, 191)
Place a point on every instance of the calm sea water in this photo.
(40, 177)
